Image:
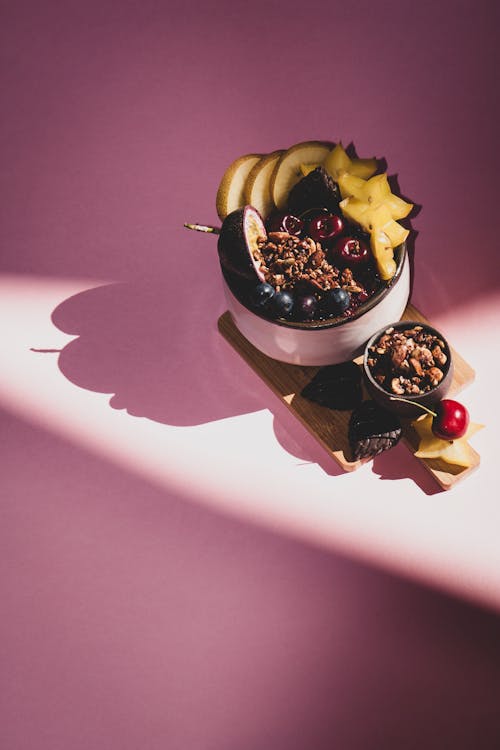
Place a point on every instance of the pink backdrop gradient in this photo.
(132, 617)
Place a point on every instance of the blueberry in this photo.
(282, 304)
(306, 307)
(337, 301)
(261, 294)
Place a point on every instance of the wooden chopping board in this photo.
(329, 426)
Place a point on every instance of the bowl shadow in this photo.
(156, 356)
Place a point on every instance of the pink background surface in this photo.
(150, 598)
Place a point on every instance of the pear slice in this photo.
(288, 170)
(257, 190)
(230, 194)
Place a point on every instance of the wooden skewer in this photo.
(203, 228)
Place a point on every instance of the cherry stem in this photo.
(414, 403)
(203, 228)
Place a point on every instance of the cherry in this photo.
(280, 221)
(450, 420)
(352, 251)
(325, 227)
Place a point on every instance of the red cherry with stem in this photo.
(352, 251)
(450, 420)
(325, 227)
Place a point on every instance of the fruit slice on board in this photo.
(455, 452)
(237, 244)
(289, 169)
(230, 194)
(257, 191)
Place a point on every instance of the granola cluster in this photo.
(408, 361)
(286, 261)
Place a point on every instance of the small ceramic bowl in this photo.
(384, 396)
(323, 342)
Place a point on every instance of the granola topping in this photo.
(287, 261)
(408, 361)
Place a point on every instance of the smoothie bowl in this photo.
(313, 256)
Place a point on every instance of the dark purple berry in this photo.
(261, 295)
(305, 307)
(337, 301)
(282, 304)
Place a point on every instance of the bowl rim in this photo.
(400, 253)
(416, 397)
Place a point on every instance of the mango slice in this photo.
(454, 452)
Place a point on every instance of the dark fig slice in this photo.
(335, 386)
(372, 430)
(316, 189)
(238, 243)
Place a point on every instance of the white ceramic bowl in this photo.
(325, 342)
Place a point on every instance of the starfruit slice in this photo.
(351, 186)
(375, 191)
(372, 217)
(305, 169)
(453, 452)
(383, 254)
(338, 162)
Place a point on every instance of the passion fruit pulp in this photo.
(238, 243)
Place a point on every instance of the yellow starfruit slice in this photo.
(363, 168)
(305, 169)
(453, 452)
(396, 233)
(373, 217)
(375, 191)
(351, 186)
(383, 254)
(338, 162)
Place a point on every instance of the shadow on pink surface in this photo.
(134, 619)
(165, 361)
(160, 355)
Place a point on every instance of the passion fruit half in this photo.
(237, 244)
